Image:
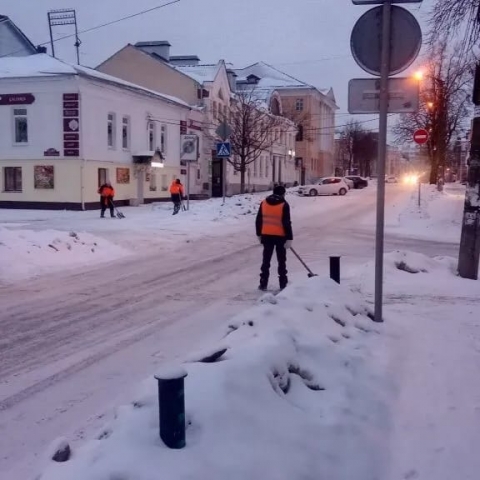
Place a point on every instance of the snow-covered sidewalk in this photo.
(311, 388)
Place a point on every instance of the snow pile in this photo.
(300, 393)
(439, 215)
(27, 253)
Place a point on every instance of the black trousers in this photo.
(271, 244)
(107, 202)
(177, 202)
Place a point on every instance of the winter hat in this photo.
(279, 190)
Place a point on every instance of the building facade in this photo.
(311, 109)
(64, 133)
(13, 42)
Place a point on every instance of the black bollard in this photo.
(335, 269)
(171, 406)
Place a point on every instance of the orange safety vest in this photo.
(272, 216)
(176, 188)
(107, 192)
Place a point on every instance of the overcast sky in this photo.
(306, 38)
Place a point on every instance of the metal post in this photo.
(419, 192)
(224, 181)
(188, 185)
(171, 405)
(335, 269)
(51, 34)
(382, 149)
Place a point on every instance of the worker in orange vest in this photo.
(274, 231)
(106, 192)
(176, 194)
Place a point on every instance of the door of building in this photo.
(217, 177)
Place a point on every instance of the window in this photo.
(164, 183)
(152, 133)
(163, 139)
(299, 105)
(126, 133)
(199, 174)
(102, 176)
(12, 177)
(153, 182)
(215, 113)
(255, 168)
(260, 167)
(20, 125)
(43, 177)
(267, 166)
(299, 134)
(111, 130)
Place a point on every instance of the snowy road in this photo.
(72, 345)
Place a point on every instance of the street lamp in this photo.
(418, 75)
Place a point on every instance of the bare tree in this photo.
(254, 130)
(444, 104)
(359, 146)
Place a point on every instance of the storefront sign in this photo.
(17, 99)
(51, 152)
(71, 125)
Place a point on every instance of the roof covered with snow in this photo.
(14, 41)
(200, 73)
(43, 65)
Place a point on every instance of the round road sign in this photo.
(405, 40)
(420, 136)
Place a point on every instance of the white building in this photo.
(64, 130)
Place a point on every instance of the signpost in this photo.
(224, 151)
(189, 154)
(420, 137)
(364, 95)
(400, 42)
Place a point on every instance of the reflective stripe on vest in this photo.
(272, 216)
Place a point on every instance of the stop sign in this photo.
(420, 136)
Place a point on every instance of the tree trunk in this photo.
(434, 170)
(243, 169)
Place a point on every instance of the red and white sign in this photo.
(71, 125)
(420, 136)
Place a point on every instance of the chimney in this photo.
(232, 80)
(184, 60)
(159, 48)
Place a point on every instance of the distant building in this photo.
(311, 109)
(13, 42)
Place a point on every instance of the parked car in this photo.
(349, 182)
(325, 186)
(358, 182)
(391, 179)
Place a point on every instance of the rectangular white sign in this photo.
(364, 95)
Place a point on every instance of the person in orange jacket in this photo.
(107, 193)
(176, 194)
(274, 231)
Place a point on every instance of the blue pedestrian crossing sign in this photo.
(224, 149)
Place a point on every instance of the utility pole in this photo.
(469, 256)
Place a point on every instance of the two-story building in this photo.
(66, 129)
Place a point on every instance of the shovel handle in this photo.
(302, 262)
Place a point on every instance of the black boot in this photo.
(283, 282)
(263, 284)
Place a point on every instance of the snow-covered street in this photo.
(75, 343)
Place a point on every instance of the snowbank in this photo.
(439, 215)
(26, 253)
(299, 394)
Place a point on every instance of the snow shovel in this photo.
(117, 211)
(310, 273)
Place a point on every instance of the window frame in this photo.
(14, 190)
(152, 136)
(113, 122)
(14, 124)
(164, 138)
(299, 105)
(128, 137)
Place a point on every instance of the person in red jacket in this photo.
(107, 193)
(176, 194)
(274, 231)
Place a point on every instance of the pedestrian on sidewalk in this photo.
(176, 194)
(274, 231)
(107, 193)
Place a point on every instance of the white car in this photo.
(325, 186)
(391, 179)
(350, 183)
